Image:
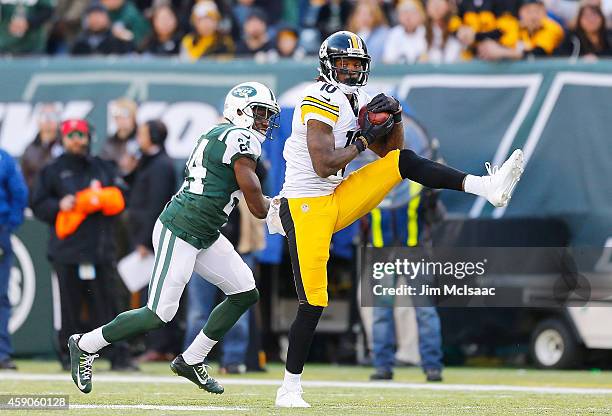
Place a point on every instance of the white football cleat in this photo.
(289, 398)
(501, 182)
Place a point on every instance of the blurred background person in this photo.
(441, 24)
(407, 225)
(478, 22)
(22, 26)
(151, 185)
(47, 144)
(122, 147)
(206, 39)
(165, 38)
(13, 200)
(332, 16)
(539, 35)
(227, 22)
(534, 34)
(406, 41)
(255, 40)
(79, 196)
(96, 38)
(127, 22)
(287, 43)
(66, 25)
(590, 39)
(368, 21)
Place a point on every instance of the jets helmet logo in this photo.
(244, 91)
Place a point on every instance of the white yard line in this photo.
(110, 378)
(152, 407)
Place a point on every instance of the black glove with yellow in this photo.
(370, 132)
(383, 103)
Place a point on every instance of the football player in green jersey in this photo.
(187, 238)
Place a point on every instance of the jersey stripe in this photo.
(328, 106)
(309, 103)
(160, 247)
(326, 109)
(310, 108)
(164, 272)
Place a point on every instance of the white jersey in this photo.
(326, 103)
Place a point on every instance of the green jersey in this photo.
(210, 190)
(34, 39)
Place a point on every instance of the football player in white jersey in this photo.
(317, 200)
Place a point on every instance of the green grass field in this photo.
(158, 388)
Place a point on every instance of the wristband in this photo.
(361, 143)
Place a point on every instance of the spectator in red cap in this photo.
(80, 196)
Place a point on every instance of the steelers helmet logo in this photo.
(323, 49)
(22, 285)
(244, 91)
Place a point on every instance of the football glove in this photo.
(385, 104)
(273, 220)
(372, 132)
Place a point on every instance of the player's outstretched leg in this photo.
(81, 364)
(497, 187)
(190, 364)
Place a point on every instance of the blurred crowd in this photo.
(395, 31)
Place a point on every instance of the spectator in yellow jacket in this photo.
(534, 34)
(206, 40)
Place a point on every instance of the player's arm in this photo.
(244, 169)
(326, 159)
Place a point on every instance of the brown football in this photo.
(375, 118)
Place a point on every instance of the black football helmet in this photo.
(344, 44)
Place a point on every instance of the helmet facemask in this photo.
(354, 77)
(265, 119)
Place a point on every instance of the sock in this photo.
(199, 349)
(300, 336)
(475, 185)
(93, 341)
(429, 173)
(292, 382)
